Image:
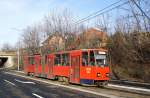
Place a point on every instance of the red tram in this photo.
(85, 66)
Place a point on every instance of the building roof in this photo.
(92, 32)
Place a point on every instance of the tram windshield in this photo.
(100, 58)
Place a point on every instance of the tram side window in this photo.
(84, 58)
(46, 59)
(31, 60)
(92, 58)
(42, 60)
(57, 60)
(65, 59)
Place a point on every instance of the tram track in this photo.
(131, 83)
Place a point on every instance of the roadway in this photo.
(12, 86)
(15, 84)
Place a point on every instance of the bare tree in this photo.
(130, 41)
(7, 47)
(61, 24)
(103, 23)
(31, 39)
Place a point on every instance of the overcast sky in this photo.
(17, 14)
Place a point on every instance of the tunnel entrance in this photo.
(3, 60)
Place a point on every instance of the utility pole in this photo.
(18, 56)
(18, 53)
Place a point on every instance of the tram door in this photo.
(26, 63)
(36, 64)
(75, 69)
(50, 65)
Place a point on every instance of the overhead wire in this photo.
(141, 9)
(98, 13)
(100, 10)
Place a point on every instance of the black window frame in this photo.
(57, 60)
(65, 59)
(85, 58)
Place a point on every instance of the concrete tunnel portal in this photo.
(7, 59)
(3, 61)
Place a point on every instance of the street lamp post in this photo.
(18, 54)
(18, 58)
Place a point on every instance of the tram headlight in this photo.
(98, 74)
(107, 74)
